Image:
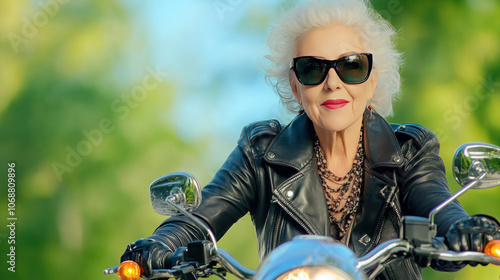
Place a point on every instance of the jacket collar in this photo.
(382, 148)
(294, 146)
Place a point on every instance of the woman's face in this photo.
(332, 105)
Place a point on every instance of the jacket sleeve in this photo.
(425, 184)
(227, 198)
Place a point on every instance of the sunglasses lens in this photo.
(354, 69)
(310, 71)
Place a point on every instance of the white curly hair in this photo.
(377, 37)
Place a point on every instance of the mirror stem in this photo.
(196, 221)
(474, 182)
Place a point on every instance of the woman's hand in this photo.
(472, 233)
(150, 253)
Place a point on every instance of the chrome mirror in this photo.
(181, 189)
(179, 193)
(473, 159)
(475, 166)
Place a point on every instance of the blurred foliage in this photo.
(88, 134)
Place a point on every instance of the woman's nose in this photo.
(332, 80)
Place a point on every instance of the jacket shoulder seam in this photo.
(263, 129)
(259, 135)
(416, 132)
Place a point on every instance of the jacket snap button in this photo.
(396, 159)
(270, 155)
(273, 124)
(289, 194)
(403, 127)
(366, 239)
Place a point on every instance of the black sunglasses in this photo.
(351, 69)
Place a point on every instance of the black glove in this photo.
(472, 233)
(150, 253)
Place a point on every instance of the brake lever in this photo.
(185, 271)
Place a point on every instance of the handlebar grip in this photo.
(490, 255)
(492, 248)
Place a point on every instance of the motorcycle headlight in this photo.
(310, 257)
(315, 273)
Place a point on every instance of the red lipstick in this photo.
(335, 103)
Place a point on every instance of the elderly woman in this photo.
(338, 169)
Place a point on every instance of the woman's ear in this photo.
(293, 86)
(373, 82)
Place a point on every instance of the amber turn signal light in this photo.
(129, 270)
(493, 248)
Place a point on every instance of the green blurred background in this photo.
(99, 98)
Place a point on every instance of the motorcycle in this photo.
(475, 166)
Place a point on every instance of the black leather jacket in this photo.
(272, 175)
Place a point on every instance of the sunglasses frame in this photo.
(332, 64)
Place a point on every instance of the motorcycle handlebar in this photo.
(468, 256)
(383, 252)
(233, 266)
(377, 256)
(373, 260)
(400, 247)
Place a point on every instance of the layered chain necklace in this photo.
(342, 194)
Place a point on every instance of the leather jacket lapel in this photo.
(301, 195)
(381, 146)
(378, 192)
(382, 155)
(303, 199)
(293, 147)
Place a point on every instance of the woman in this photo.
(338, 169)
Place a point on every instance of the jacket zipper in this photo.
(284, 208)
(411, 268)
(277, 229)
(378, 232)
(377, 239)
(408, 262)
(396, 210)
(379, 222)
